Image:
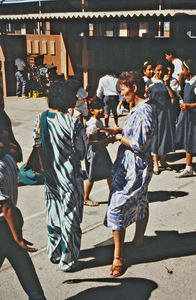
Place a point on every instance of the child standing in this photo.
(160, 95)
(98, 161)
(148, 71)
(186, 126)
(176, 88)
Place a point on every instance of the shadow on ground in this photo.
(161, 196)
(125, 289)
(166, 244)
(174, 156)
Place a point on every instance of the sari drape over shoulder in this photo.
(64, 144)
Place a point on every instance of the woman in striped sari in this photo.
(64, 144)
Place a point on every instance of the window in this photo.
(44, 47)
(123, 31)
(29, 46)
(91, 27)
(143, 29)
(36, 46)
(109, 30)
(52, 48)
(166, 29)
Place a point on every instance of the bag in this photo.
(28, 177)
(35, 161)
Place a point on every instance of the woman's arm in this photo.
(10, 216)
(123, 139)
(112, 131)
(105, 141)
(184, 107)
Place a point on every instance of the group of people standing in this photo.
(65, 143)
(152, 126)
(172, 91)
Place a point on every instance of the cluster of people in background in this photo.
(33, 80)
(171, 87)
(162, 118)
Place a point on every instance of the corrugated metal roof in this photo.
(101, 14)
(19, 1)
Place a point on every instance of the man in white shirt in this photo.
(20, 74)
(107, 91)
(171, 57)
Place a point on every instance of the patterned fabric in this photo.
(132, 171)
(66, 145)
(8, 180)
(8, 143)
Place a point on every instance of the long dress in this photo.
(64, 142)
(163, 140)
(186, 125)
(132, 170)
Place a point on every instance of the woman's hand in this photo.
(184, 107)
(24, 244)
(112, 131)
(111, 139)
(166, 79)
(118, 137)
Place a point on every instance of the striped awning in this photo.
(101, 14)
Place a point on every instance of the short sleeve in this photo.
(141, 138)
(92, 129)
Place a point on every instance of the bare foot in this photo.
(90, 202)
(117, 268)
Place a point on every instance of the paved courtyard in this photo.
(163, 269)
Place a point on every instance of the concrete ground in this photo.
(163, 269)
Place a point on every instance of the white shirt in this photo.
(92, 125)
(191, 81)
(145, 78)
(20, 64)
(107, 86)
(177, 67)
(173, 83)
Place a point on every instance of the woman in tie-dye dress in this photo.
(132, 170)
(64, 143)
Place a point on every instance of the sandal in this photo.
(165, 166)
(156, 172)
(117, 270)
(90, 203)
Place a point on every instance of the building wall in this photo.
(122, 54)
(46, 46)
(7, 58)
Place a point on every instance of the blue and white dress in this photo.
(186, 125)
(65, 143)
(132, 170)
